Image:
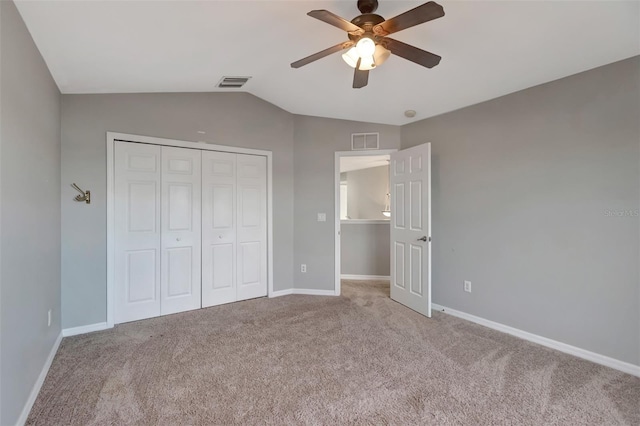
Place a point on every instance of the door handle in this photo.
(423, 238)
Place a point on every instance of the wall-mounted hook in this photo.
(86, 195)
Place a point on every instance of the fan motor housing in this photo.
(366, 21)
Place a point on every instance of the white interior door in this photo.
(410, 183)
(251, 172)
(218, 228)
(180, 287)
(137, 231)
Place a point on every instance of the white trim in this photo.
(364, 153)
(38, 384)
(281, 293)
(364, 277)
(336, 217)
(112, 137)
(553, 344)
(313, 292)
(74, 331)
(184, 144)
(111, 238)
(305, 291)
(429, 246)
(269, 223)
(365, 222)
(337, 221)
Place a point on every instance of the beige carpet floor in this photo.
(357, 359)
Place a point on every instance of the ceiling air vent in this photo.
(232, 82)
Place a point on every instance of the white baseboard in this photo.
(38, 384)
(85, 329)
(281, 293)
(553, 344)
(364, 277)
(312, 292)
(306, 291)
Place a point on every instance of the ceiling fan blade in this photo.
(360, 77)
(326, 52)
(413, 54)
(336, 21)
(419, 15)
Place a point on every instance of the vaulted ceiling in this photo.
(489, 49)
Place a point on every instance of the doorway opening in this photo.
(362, 213)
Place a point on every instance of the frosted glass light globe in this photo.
(351, 57)
(367, 63)
(366, 47)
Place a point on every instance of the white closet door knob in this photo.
(178, 239)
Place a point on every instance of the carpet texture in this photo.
(357, 359)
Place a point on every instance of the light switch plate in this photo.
(322, 217)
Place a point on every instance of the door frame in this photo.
(336, 190)
(112, 137)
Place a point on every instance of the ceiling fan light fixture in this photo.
(351, 57)
(367, 63)
(366, 47)
(369, 33)
(381, 54)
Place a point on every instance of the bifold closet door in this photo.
(157, 230)
(137, 231)
(234, 214)
(251, 172)
(218, 228)
(180, 230)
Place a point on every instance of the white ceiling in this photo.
(351, 163)
(489, 49)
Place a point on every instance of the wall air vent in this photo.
(232, 82)
(364, 141)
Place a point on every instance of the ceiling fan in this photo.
(368, 43)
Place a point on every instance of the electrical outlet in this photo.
(303, 267)
(49, 318)
(467, 286)
(322, 217)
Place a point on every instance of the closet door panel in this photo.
(252, 226)
(137, 231)
(218, 228)
(140, 276)
(181, 230)
(222, 275)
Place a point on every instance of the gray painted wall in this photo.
(233, 119)
(316, 141)
(367, 192)
(524, 188)
(30, 213)
(364, 249)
